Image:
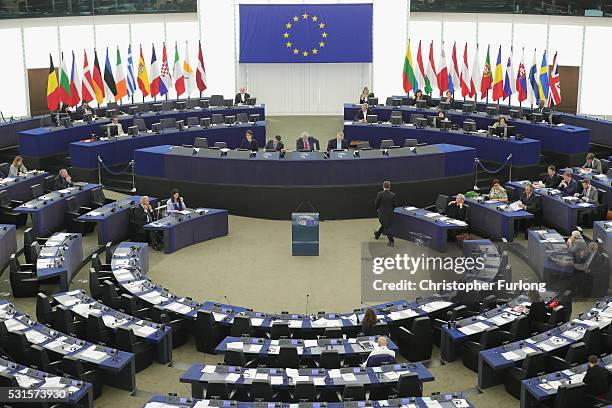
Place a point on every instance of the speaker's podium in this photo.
(305, 234)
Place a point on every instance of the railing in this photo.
(597, 8)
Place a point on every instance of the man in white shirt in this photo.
(380, 355)
(242, 96)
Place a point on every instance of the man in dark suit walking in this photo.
(385, 204)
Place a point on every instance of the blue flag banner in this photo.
(305, 33)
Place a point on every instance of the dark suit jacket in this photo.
(299, 144)
(551, 182)
(385, 204)
(362, 100)
(252, 145)
(61, 183)
(333, 144)
(571, 189)
(140, 216)
(596, 379)
(80, 111)
(360, 115)
(533, 203)
(453, 211)
(270, 146)
(237, 99)
(597, 263)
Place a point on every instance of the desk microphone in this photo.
(227, 300)
(307, 298)
(367, 304)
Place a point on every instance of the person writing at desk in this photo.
(551, 179)
(249, 143)
(338, 143)
(589, 193)
(380, 355)
(531, 203)
(498, 192)
(175, 202)
(362, 114)
(307, 143)
(82, 110)
(568, 185)
(115, 122)
(63, 180)
(592, 164)
(596, 378)
(17, 168)
(275, 144)
(363, 98)
(368, 322)
(241, 96)
(143, 215)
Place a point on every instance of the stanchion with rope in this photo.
(478, 163)
(113, 173)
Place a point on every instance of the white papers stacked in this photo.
(348, 377)
(178, 308)
(14, 325)
(45, 263)
(144, 331)
(402, 314)
(24, 381)
(232, 377)
(235, 345)
(92, 354)
(434, 306)
(209, 369)
(473, 328)
(35, 337)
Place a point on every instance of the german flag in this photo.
(53, 96)
(98, 84)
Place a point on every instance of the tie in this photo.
(306, 145)
(338, 144)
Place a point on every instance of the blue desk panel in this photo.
(9, 131)
(559, 139)
(60, 257)
(8, 244)
(524, 152)
(603, 231)
(49, 141)
(599, 181)
(496, 224)
(601, 129)
(112, 152)
(20, 188)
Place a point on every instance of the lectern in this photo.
(305, 234)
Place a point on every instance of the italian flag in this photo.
(408, 74)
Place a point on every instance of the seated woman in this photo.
(17, 168)
(458, 210)
(363, 98)
(418, 95)
(448, 97)
(441, 116)
(498, 192)
(175, 202)
(501, 122)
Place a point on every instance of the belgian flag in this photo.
(53, 96)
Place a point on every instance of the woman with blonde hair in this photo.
(17, 168)
(363, 98)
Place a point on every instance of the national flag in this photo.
(498, 78)
(165, 83)
(454, 80)
(64, 84)
(75, 82)
(177, 73)
(442, 74)
(110, 88)
(143, 77)
(53, 97)
(87, 90)
(120, 81)
(533, 94)
(201, 71)
(155, 79)
(408, 73)
(554, 97)
(475, 77)
(521, 79)
(430, 75)
(190, 84)
(486, 80)
(543, 87)
(98, 84)
(131, 81)
(464, 78)
(420, 71)
(510, 79)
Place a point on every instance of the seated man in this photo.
(592, 163)
(458, 210)
(551, 179)
(596, 378)
(307, 142)
(275, 144)
(577, 246)
(568, 185)
(531, 203)
(338, 143)
(249, 143)
(82, 110)
(242, 96)
(589, 193)
(380, 355)
(591, 262)
(362, 114)
(143, 214)
(63, 180)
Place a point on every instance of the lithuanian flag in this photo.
(408, 74)
(53, 96)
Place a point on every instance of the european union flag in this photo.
(305, 33)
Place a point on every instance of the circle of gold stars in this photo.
(304, 18)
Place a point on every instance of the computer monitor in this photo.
(536, 117)
(372, 119)
(181, 105)
(504, 131)
(133, 110)
(111, 112)
(133, 130)
(251, 101)
(87, 117)
(444, 105)
(372, 101)
(156, 107)
(205, 122)
(228, 103)
(421, 104)
(490, 130)
(66, 121)
(396, 120)
(516, 113)
(397, 102)
(492, 110)
(109, 131)
(230, 120)
(469, 126)
(254, 118)
(205, 103)
(467, 107)
(192, 103)
(156, 127)
(180, 125)
(421, 122)
(445, 124)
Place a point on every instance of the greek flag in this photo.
(131, 83)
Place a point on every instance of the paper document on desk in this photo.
(178, 308)
(144, 331)
(461, 403)
(410, 208)
(45, 263)
(13, 325)
(35, 337)
(432, 215)
(25, 381)
(232, 377)
(256, 321)
(514, 206)
(254, 348)
(311, 343)
(208, 369)
(402, 314)
(91, 354)
(235, 345)
(510, 355)
(348, 377)
(586, 205)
